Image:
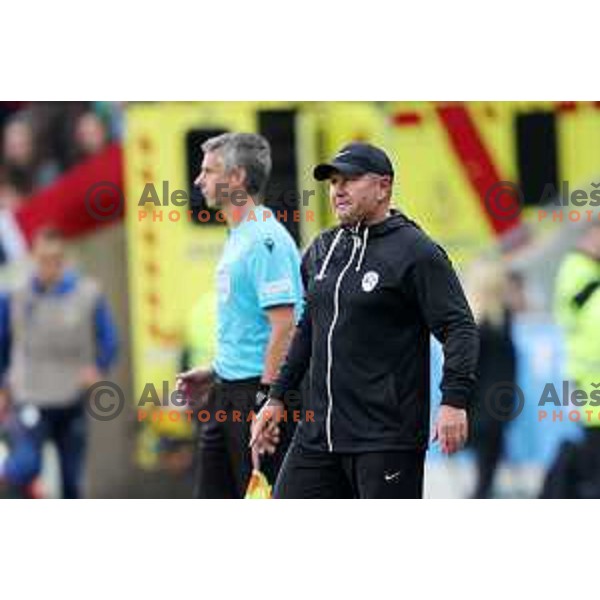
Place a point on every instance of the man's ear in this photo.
(388, 184)
(237, 176)
(385, 184)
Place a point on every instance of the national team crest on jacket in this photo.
(370, 280)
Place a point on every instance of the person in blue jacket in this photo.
(57, 338)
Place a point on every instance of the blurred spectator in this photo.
(577, 284)
(12, 245)
(7, 109)
(516, 295)
(90, 135)
(9, 194)
(24, 167)
(113, 114)
(576, 471)
(55, 124)
(38, 140)
(57, 337)
(491, 298)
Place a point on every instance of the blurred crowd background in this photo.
(529, 311)
(42, 140)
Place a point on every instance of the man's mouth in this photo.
(342, 205)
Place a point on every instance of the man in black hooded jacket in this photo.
(376, 287)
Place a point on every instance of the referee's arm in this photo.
(273, 271)
(281, 320)
(288, 378)
(297, 361)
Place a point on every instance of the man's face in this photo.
(50, 261)
(18, 144)
(217, 186)
(357, 197)
(90, 134)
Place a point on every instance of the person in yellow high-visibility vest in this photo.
(575, 472)
(577, 309)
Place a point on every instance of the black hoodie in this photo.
(373, 295)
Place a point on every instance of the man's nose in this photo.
(199, 179)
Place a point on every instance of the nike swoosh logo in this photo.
(393, 476)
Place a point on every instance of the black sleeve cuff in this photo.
(455, 401)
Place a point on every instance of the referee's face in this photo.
(356, 198)
(213, 181)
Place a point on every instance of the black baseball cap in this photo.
(356, 158)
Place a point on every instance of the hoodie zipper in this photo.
(336, 311)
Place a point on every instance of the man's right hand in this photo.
(195, 384)
(264, 432)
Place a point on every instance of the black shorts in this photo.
(313, 474)
(223, 462)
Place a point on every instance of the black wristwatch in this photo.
(262, 395)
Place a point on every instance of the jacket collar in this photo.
(62, 286)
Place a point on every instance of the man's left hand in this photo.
(451, 428)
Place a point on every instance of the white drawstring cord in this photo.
(363, 249)
(329, 254)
